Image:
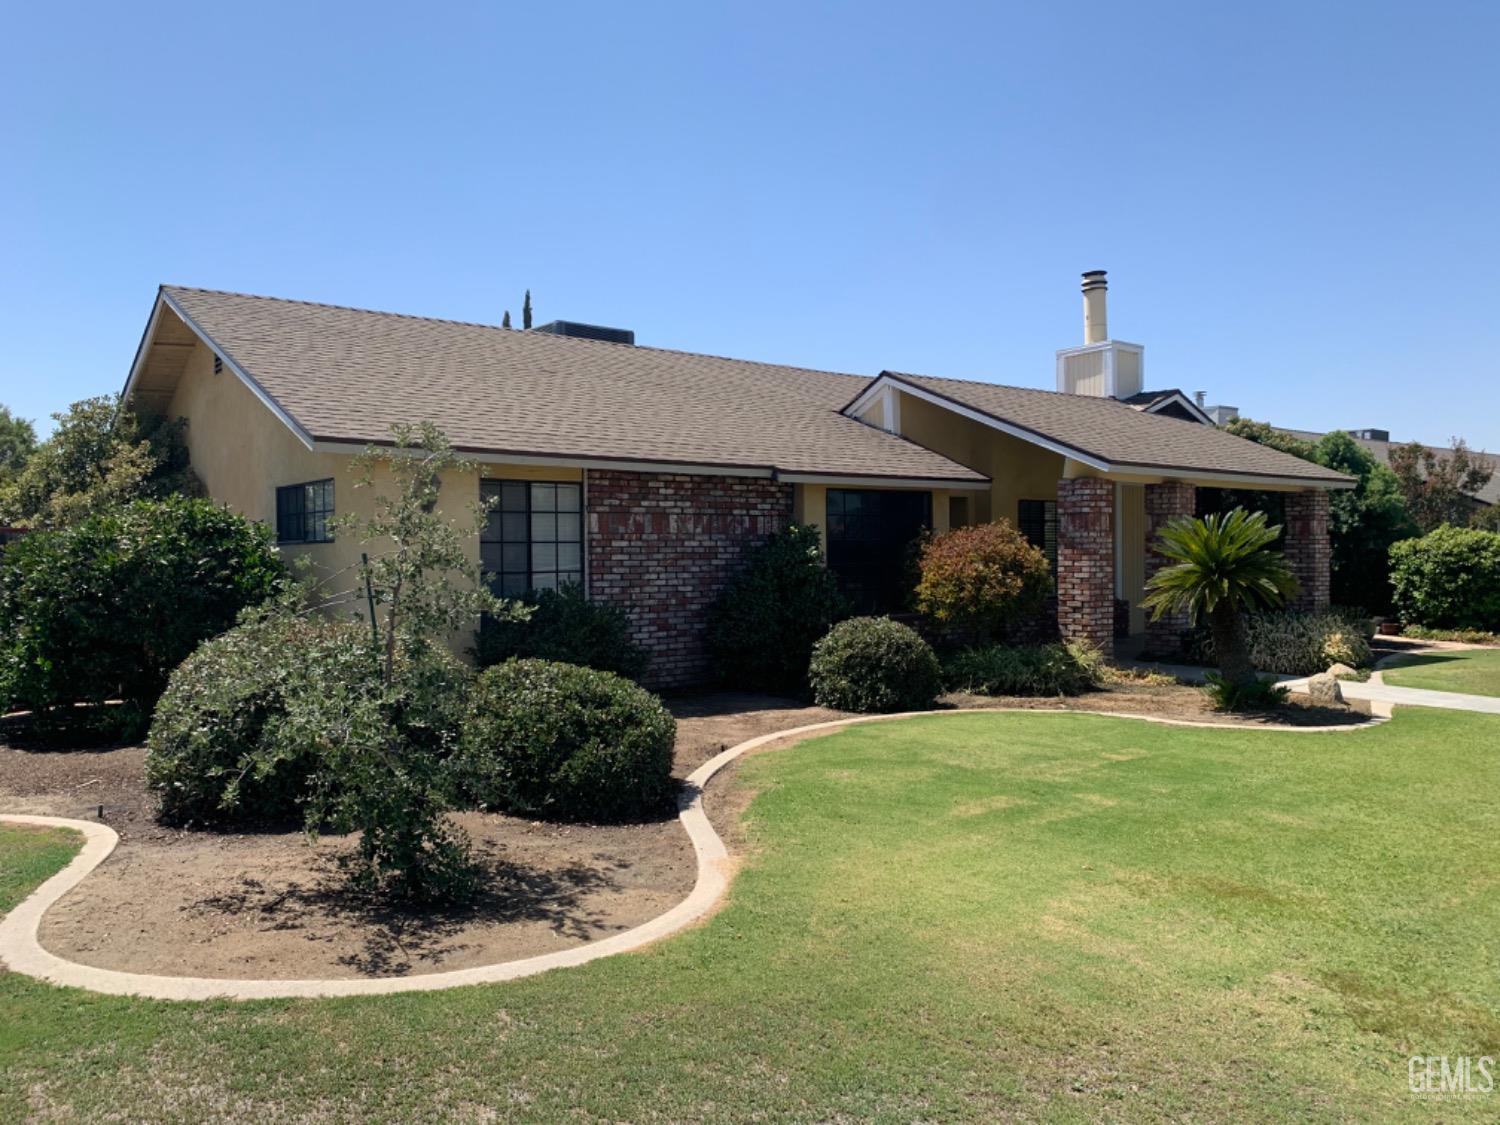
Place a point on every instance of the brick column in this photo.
(1164, 503)
(1306, 547)
(1086, 561)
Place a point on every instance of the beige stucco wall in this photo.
(1130, 554)
(1017, 470)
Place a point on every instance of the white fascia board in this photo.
(989, 420)
(240, 373)
(1248, 480)
(141, 349)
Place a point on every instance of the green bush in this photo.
(1055, 669)
(1461, 636)
(1261, 695)
(564, 626)
(874, 664)
(1448, 579)
(108, 607)
(241, 734)
(763, 627)
(562, 742)
(1298, 644)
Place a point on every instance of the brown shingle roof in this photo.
(347, 374)
(1109, 431)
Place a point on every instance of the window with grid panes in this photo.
(303, 512)
(533, 538)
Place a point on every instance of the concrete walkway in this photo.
(1377, 691)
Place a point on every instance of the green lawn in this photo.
(28, 856)
(1069, 917)
(1470, 671)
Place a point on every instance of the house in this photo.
(1379, 444)
(644, 473)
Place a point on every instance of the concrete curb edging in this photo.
(21, 950)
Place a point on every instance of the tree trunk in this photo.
(1232, 644)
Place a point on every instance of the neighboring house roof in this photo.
(1112, 436)
(1171, 402)
(343, 375)
(1381, 450)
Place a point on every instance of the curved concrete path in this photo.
(22, 952)
(1376, 690)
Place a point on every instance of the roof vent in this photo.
(587, 331)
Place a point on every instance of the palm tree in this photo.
(1223, 567)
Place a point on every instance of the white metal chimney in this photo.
(1102, 367)
(1095, 321)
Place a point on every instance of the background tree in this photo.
(526, 311)
(505, 320)
(1223, 568)
(1487, 518)
(97, 457)
(17, 440)
(1363, 522)
(1439, 489)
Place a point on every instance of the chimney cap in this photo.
(1094, 279)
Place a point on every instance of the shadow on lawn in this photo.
(398, 940)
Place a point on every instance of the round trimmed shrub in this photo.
(239, 733)
(874, 664)
(563, 742)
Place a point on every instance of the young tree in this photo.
(387, 731)
(526, 311)
(1223, 568)
(505, 320)
(98, 456)
(1439, 489)
(17, 440)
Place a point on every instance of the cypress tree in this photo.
(505, 320)
(526, 311)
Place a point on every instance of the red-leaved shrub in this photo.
(983, 577)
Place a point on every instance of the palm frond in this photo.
(1222, 557)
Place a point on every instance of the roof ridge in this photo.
(518, 331)
(1006, 386)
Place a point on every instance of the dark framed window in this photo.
(1037, 521)
(871, 536)
(533, 538)
(304, 511)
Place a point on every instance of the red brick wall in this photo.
(1086, 561)
(1164, 503)
(662, 546)
(1307, 549)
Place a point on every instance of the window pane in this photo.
(490, 558)
(543, 527)
(513, 585)
(569, 556)
(570, 526)
(513, 496)
(491, 532)
(544, 581)
(569, 497)
(513, 527)
(544, 497)
(543, 556)
(514, 556)
(565, 577)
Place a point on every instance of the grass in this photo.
(1068, 917)
(1469, 671)
(28, 856)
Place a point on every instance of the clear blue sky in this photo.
(1297, 203)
